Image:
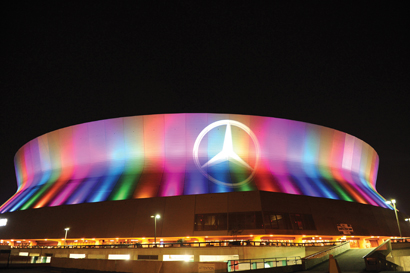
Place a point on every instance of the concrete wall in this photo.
(131, 218)
(243, 252)
(137, 266)
(400, 256)
(309, 250)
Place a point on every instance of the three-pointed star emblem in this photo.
(227, 153)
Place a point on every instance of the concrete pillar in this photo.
(333, 265)
(362, 243)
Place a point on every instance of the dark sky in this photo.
(341, 66)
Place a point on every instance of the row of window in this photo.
(171, 257)
(253, 220)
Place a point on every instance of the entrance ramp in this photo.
(349, 262)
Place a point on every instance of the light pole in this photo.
(393, 201)
(65, 238)
(155, 226)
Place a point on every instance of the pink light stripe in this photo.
(174, 155)
(65, 193)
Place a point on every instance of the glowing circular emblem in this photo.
(227, 153)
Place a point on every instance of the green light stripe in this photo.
(125, 187)
(327, 175)
(33, 199)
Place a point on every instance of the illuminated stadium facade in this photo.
(209, 176)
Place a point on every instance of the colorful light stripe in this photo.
(154, 156)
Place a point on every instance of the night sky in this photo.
(341, 66)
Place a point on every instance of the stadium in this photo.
(209, 178)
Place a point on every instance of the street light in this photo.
(65, 238)
(155, 226)
(393, 201)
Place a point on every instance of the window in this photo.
(295, 221)
(76, 256)
(302, 221)
(308, 220)
(217, 258)
(216, 221)
(245, 220)
(277, 220)
(118, 256)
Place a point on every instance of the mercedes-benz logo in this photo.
(227, 153)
